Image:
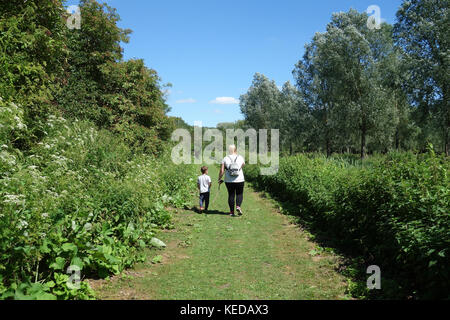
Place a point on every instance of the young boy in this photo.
(204, 186)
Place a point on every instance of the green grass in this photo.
(213, 256)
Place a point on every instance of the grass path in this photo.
(213, 256)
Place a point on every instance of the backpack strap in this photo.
(232, 161)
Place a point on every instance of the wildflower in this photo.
(22, 224)
(13, 198)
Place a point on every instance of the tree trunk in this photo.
(446, 147)
(363, 142)
(397, 140)
(327, 134)
(446, 127)
(328, 148)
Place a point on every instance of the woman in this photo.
(234, 179)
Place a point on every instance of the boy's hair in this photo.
(204, 169)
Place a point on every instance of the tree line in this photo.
(363, 90)
(50, 69)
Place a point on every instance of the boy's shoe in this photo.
(239, 210)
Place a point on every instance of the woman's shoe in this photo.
(239, 210)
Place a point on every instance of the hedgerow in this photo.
(80, 197)
(391, 211)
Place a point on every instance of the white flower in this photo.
(45, 215)
(13, 198)
(22, 224)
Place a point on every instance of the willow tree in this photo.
(341, 77)
(265, 106)
(423, 32)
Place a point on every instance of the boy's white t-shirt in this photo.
(240, 161)
(204, 181)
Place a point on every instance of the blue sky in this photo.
(209, 50)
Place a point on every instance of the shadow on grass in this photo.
(216, 212)
(353, 264)
(207, 212)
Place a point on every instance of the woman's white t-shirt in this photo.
(240, 161)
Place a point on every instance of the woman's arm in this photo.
(222, 171)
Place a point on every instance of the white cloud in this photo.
(225, 100)
(189, 100)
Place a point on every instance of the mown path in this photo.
(213, 256)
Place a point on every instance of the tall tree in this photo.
(260, 102)
(422, 30)
(313, 76)
(266, 107)
(96, 44)
(340, 75)
(32, 57)
(125, 97)
(292, 118)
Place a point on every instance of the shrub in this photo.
(81, 198)
(391, 211)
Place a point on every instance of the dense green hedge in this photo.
(79, 197)
(393, 211)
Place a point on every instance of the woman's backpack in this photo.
(234, 168)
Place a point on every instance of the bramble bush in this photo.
(391, 211)
(80, 197)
